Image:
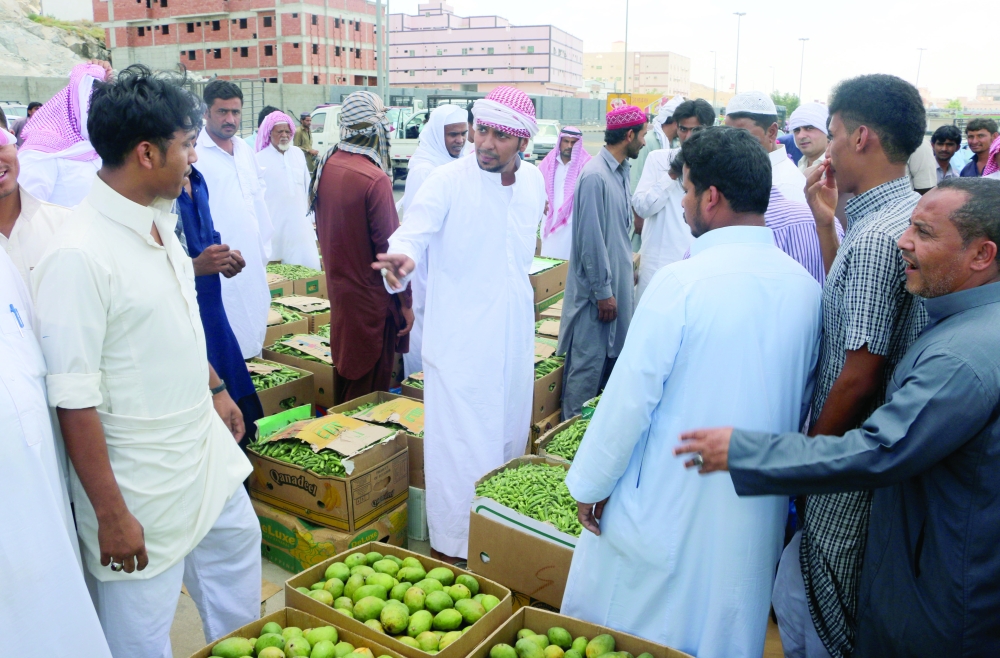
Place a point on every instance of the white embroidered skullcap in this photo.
(751, 102)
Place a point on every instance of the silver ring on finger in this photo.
(116, 566)
(698, 460)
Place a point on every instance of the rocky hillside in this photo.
(43, 47)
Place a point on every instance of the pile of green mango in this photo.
(558, 643)
(291, 642)
(427, 610)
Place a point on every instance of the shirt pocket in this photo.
(9, 326)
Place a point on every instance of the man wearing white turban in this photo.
(808, 126)
(442, 141)
(475, 220)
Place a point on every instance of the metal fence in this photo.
(253, 100)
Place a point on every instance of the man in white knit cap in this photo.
(755, 111)
(808, 126)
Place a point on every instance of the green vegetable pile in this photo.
(359, 410)
(293, 272)
(277, 305)
(558, 643)
(270, 380)
(426, 610)
(325, 462)
(287, 314)
(414, 383)
(538, 491)
(548, 365)
(323, 330)
(281, 348)
(566, 443)
(278, 642)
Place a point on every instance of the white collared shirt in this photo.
(32, 232)
(61, 181)
(120, 330)
(239, 212)
(952, 172)
(786, 176)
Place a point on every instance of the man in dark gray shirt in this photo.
(929, 578)
(597, 306)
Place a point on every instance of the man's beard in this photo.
(282, 146)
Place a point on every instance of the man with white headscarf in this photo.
(442, 141)
(286, 191)
(475, 219)
(808, 126)
(58, 164)
(561, 169)
(663, 132)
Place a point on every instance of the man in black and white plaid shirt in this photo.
(869, 321)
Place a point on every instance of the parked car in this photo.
(13, 110)
(547, 137)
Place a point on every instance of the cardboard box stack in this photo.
(307, 352)
(314, 309)
(547, 393)
(282, 320)
(295, 389)
(301, 280)
(278, 285)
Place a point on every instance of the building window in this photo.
(412, 53)
(489, 71)
(142, 31)
(217, 53)
(243, 23)
(439, 71)
(336, 51)
(295, 45)
(465, 51)
(268, 51)
(315, 19)
(267, 21)
(531, 49)
(191, 55)
(489, 51)
(357, 53)
(295, 15)
(163, 3)
(190, 27)
(531, 70)
(215, 26)
(166, 29)
(357, 26)
(244, 52)
(439, 51)
(272, 79)
(315, 79)
(412, 73)
(315, 48)
(336, 22)
(464, 71)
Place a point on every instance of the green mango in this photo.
(373, 557)
(318, 585)
(269, 640)
(541, 640)
(420, 622)
(503, 651)
(448, 639)
(290, 632)
(580, 644)
(458, 591)
(573, 653)
(369, 607)
(411, 574)
(297, 647)
(399, 591)
(599, 646)
(525, 648)
(352, 585)
(335, 586)
(524, 632)
(304, 590)
(399, 562)
(466, 580)
(644, 655)
(412, 562)
(442, 574)
(438, 601)
(430, 585)
(489, 602)
(362, 652)
(560, 637)
(408, 641)
(317, 635)
(414, 598)
(322, 596)
(271, 627)
(362, 569)
(553, 651)
(233, 647)
(344, 602)
(386, 566)
(383, 579)
(478, 598)
(376, 626)
(347, 612)
(342, 649)
(395, 618)
(447, 620)
(378, 591)
(470, 610)
(428, 641)
(338, 570)
(355, 559)
(270, 652)
(324, 649)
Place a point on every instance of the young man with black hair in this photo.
(734, 330)
(692, 116)
(597, 305)
(19, 124)
(946, 141)
(239, 211)
(147, 423)
(980, 133)
(251, 139)
(870, 320)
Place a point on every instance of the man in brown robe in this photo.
(355, 215)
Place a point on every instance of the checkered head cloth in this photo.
(60, 125)
(6, 138)
(625, 116)
(508, 110)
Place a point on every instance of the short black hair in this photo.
(222, 90)
(139, 106)
(472, 119)
(33, 104)
(3, 120)
(268, 109)
(677, 164)
(617, 135)
(947, 134)
(697, 108)
(734, 162)
(763, 121)
(979, 216)
(888, 105)
(981, 123)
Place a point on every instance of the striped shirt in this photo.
(795, 233)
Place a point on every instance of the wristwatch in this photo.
(218, 389)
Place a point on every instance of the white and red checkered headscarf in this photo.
(7, 138)
(559, 217)
(270, 121)
(59, 127)
(508, 110)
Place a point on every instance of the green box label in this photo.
(276, 534)
(277, 292)
(312, 286)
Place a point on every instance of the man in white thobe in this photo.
(561, 168)
(286, 182)
(442, 141)
(733, 330)
(475, 219)
(239, 212)
(37, 536)
(148, 425)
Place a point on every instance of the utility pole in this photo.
(919, 62)
(739, 17)
(802, 64)
(384, 61)
(625, 72)
(715, 75)
(378, 48)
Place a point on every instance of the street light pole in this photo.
(802, 64)
(715, 74)
(739, 16)
(625, 71)
(919, 62)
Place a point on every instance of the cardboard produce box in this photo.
(295, 544)
(548, 277)
(279, 398)
(546, 396)
(310, 287)
(323, 370)
(550, 434)
(412, 391)
(541, 306)
(291, 617)
(549, 328)
(415, 443)
(458, 649)
(396, 375)
(279, 329)
(376, 479)
(540, 621)
(553, 312)
(278, 285)
(314, 309)
(518, 551)
(541, 427)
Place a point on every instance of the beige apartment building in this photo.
(649, 72)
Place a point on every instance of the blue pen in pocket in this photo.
(17, 316)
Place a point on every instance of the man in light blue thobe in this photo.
(731, 332)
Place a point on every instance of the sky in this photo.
(846, 38)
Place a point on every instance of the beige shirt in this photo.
(32, 233)
(120, 330)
